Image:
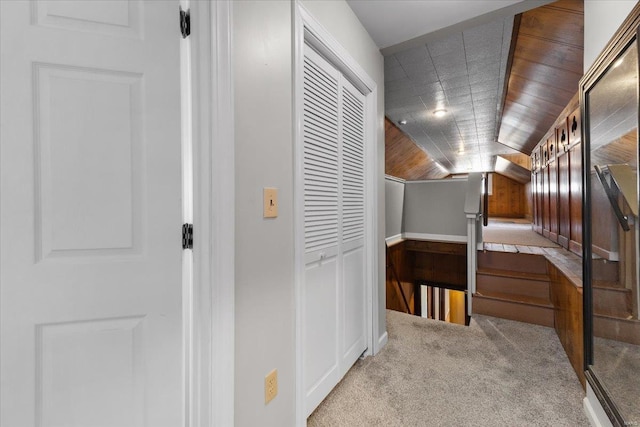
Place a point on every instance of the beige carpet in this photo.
(514, 232)
(494, 372)
(617, 365)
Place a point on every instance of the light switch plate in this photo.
(270, 202)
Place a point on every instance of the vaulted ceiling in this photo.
(502, 76)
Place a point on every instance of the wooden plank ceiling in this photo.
(546, 68)
(404, 159)
(512, 170)
(523, 160)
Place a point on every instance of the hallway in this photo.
(495, 372)
(514, 231)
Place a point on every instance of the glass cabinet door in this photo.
(611, 227)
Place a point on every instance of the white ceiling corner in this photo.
(394, 21)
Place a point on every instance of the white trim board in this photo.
(212, 360)
(437, 180)
(393, 178)
(435, 237)
(384, 338)
(308, 30)
(429, 237)
(594, 411)
(393, 239)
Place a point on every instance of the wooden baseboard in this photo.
(563, 241)
(575, 247)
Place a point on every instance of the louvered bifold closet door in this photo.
(352, 138)
(320, 133)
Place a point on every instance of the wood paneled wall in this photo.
(567, 302)
(507, 199)
(438, 261)
(528, 201)
(413, 260)
(399, 275)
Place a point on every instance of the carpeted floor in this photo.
(494, 372)
(514, 232)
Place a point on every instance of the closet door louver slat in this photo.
(320, 139)
(352, 163)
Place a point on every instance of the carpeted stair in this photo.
(513, 286)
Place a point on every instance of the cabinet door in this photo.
(575, 189)
(545, 201)
(553, 201)
(564, 212)
(538, 202)
(574, 126)
(534, 199)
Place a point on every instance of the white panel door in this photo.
(321, 228)
(90, 212)
(352, 138)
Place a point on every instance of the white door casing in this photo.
(211, 365)
(90, 208)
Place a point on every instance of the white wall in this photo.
(394, 202)
(264, 247)
(265, 310)
(435, 207)
(601, 20)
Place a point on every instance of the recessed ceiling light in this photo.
(402, 122)
(440, 112)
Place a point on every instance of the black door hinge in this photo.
(185, 23)
(187, 236)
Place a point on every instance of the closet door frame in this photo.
(308, 30)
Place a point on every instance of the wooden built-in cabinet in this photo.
(556, 181)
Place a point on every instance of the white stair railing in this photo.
(472, 211)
